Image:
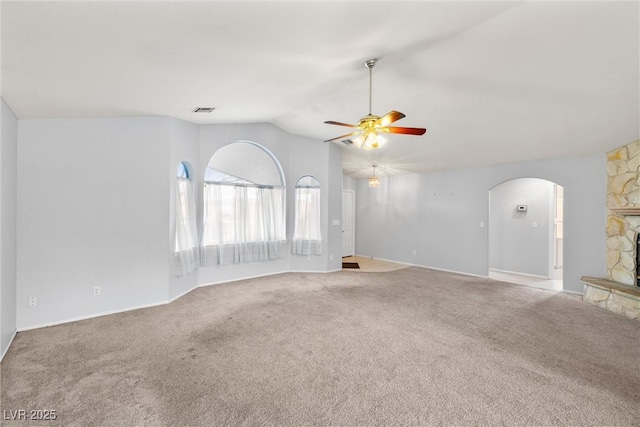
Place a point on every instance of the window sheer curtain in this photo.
(242, 224)
(307, 237)
(186, 242)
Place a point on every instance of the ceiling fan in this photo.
(367, 131)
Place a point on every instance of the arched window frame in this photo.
(243, 221)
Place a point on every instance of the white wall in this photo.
(514, 243)
(8, 199)
(93, 197)
(335, 208)
(349, 183)
(439, 213)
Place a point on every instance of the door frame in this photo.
(352, 213)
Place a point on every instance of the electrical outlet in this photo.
(96, 290)
(534, 225)
(482, 224)
(331, 257)
(414, 252)
(33, 301)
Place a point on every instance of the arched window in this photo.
(183, 171)
(186, 242)
(244, 205)
(307, 236)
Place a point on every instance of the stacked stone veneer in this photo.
(623, 190)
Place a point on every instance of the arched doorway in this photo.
(526, 232)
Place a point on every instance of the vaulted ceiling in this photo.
(493, 82)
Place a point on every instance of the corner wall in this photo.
(8, 199)
(304, 154)
(184, 146)
(95, 205)
(438, 214)
(92, 211)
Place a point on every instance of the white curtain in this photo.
(242, 224)
(307, 237)
(186, 242)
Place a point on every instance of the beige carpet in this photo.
(408, 347)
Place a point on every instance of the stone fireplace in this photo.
(619, 291)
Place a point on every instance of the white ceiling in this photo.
(493, 82)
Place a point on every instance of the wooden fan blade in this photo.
(405, 131)
(390, 117)
(340, 137)
(331, 122)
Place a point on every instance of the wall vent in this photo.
(203, 109)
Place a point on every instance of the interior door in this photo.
(348, 223)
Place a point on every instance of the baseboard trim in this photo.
(388, 260)
(91, 316)
(520, 274)
(313, 271)
(453, 271)
(138, 307)
(426, 266)
(4, 353)
(181, 295)
(568, 291)
(257, 276)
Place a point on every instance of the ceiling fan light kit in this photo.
(367, 131)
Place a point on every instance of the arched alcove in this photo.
(244, 205)
(526, 232)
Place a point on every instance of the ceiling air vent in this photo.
(203, 109)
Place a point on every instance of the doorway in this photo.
(526, 224)
(348, 223)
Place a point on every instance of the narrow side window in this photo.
(186, 248)
(307, 234)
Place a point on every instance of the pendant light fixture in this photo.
(374, 182)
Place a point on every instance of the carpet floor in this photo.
(408, 347)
